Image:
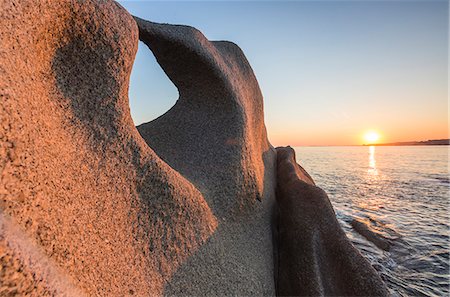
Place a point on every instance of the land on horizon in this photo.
(399, 143)
(406, 143)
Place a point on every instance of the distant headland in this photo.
(425, 142)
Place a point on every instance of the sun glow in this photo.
(371, 137)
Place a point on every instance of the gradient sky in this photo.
(329, 70)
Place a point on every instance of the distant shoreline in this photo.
(414, 143)
(406, 143)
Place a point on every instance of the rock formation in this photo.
(90, 205)
(314, 257)
(76, 176)
(215, 137)
(80, 182)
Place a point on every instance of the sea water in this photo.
(400, 192)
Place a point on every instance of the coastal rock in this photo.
(313, 256)
(94, 205)
(378, 239)
(215, 137)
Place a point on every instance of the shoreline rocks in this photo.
(313, 256)
(377, 239)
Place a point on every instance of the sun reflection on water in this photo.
(372, 162)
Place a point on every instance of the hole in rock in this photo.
(151, 92)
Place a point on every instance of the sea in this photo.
(399, 192)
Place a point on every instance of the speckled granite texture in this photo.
(314, 256)
(215, 137)
(76, 176)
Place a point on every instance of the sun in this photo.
(371, 136)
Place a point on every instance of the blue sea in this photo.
(400, 192)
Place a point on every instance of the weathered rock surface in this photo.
(313, 255)
(215, 137)
(90, 205)
(100, 212)
(76, 177)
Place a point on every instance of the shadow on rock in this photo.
(313, 255)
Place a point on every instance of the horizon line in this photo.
(397, 143)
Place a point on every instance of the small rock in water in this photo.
(379, 240)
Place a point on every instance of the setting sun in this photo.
(371, 136)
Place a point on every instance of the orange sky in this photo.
(355, 136)
(329, 70)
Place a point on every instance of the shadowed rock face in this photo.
(80, 189)
(216, 138)
(314, 256)
(215, 134)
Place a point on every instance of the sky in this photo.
(329, 71)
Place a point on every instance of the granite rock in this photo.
(215, 137)
(314, 257)
(215, 134)
(99, 209)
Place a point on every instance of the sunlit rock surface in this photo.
(76, 177)
(314, 257)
